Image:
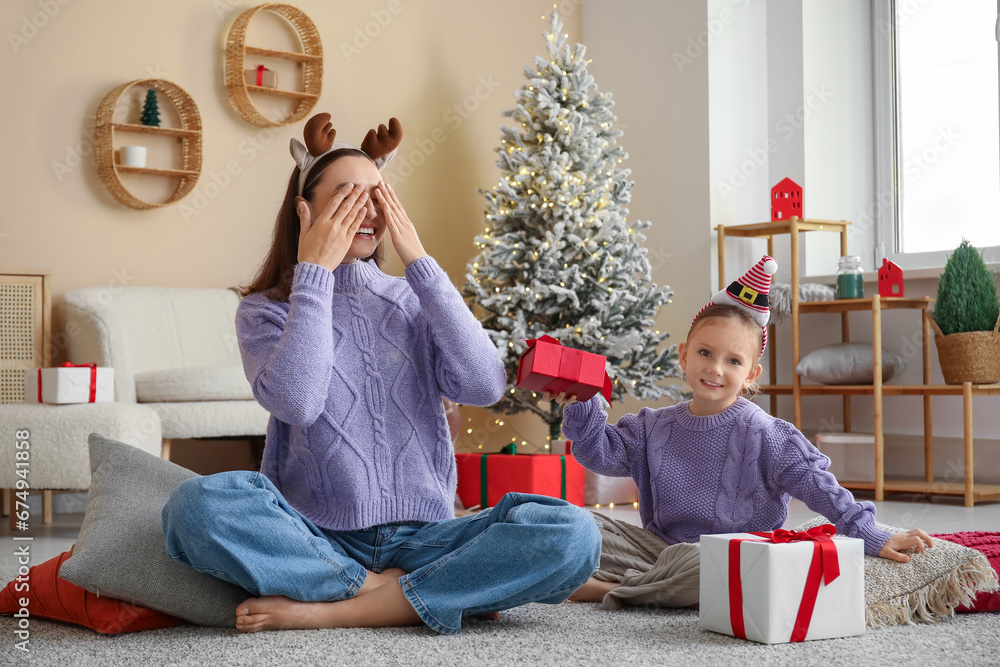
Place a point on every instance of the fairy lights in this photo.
(560, 200)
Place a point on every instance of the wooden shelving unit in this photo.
(877, 390)
(310, 59)
(188, 136)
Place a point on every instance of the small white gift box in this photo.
(260, 76)
(69, 383)
(561, 447)
(770, 592)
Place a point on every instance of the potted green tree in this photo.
(966, 319)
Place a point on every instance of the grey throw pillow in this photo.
(847, 363)
(930, 586)
(120, 552)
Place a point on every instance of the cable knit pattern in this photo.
(352, 369)
(725, 473)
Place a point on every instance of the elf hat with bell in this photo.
(749, 293)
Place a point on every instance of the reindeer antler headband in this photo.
(380, 145)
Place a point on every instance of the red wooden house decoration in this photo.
(890, 279)
(786, 200)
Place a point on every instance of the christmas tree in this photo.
(557, 256)
(150, 110)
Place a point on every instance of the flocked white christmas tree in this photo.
(557, 256)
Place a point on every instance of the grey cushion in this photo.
(847, 363)
(930, 586)
(200, 383)
(120, 552)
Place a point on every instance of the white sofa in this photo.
(52, 441)
(174, 350)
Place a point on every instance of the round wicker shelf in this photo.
(311, 61)
(189, 136)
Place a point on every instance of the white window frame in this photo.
(888, 167)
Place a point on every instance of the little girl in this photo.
(715, 464)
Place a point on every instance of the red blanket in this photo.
(989, 545)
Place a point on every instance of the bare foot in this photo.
(488, 616)
(383, 606)
(593, 591)
(276, 612)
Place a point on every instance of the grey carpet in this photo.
(567, 634)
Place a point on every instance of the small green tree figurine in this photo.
(967, 293)
(150, 110)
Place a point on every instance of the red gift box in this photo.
(497, 474)
(548, 366)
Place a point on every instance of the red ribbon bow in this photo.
(574, 366)
(93, 379)
(260, 74)
(824, 568)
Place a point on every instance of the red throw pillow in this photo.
(52, 597)
(987, 543)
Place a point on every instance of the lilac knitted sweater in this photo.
(731, 472)
(352, 369)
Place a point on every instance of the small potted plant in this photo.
(966, 319)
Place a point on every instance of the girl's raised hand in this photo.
(561, 398)
(401, 230)
(326, 240)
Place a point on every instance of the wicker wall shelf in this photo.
(284, 55)
(150, 129)
(310, 59)
(188, 136)
(278, 92)
(180, 173)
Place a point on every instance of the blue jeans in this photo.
(237, 526)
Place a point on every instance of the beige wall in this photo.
(663, 111)
(429, 57)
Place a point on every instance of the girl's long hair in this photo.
(275, 273)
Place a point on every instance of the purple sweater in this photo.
(731, 472)
(352, 370)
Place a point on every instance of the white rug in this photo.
(567, 634)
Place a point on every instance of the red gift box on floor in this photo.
(548, 366)
(484, 478)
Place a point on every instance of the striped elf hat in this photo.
(749, 293)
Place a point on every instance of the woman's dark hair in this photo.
(275, 273)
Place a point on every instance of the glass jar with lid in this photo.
(850, 284)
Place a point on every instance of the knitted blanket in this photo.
(932, 585)
(953, 576)
(988, 544)
(780, 298)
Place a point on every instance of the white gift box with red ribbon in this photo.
(260, 76)
(70, 383)
(784, 586)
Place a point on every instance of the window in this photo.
(937, 129)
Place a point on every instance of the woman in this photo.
(350, 522)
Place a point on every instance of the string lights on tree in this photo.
(557, 256)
